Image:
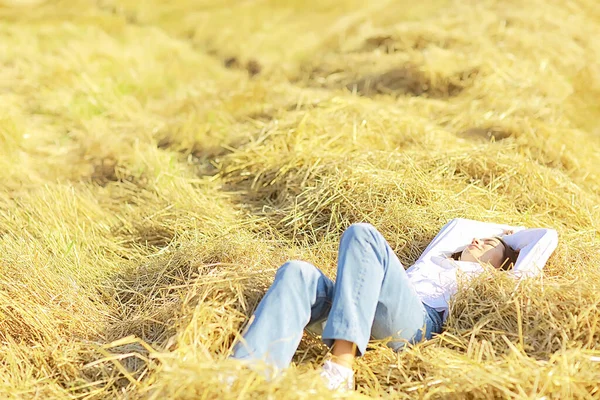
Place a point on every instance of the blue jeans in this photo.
(372, 297)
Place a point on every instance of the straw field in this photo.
(159, 160)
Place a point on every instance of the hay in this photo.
(159, 161)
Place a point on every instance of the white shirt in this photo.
(434, 275)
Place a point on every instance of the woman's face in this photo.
(488, 250)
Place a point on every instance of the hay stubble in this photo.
(159, 161)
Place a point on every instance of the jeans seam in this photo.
(357, 293)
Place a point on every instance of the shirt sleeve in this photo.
(459, 232)
(535, 248)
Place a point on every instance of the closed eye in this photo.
(492, 242)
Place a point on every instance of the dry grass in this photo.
(159, 160)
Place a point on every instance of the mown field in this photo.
(159, 160)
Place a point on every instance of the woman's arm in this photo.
(459, 232)
(535, 247)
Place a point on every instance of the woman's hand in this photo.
(508, 232)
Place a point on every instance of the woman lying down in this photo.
(375, 297)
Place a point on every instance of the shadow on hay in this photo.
(401, 80)
(154, 301)
(394, 43)
(411, 81)
(148, 235)
(108, 170)
(270, 113)
(252, 66)
(273, 205)
(146, 303)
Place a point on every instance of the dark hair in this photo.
(509, 256)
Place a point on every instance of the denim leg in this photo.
(393, 325)
(299, 295)
(373, 295)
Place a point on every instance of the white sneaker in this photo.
(337, 377)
